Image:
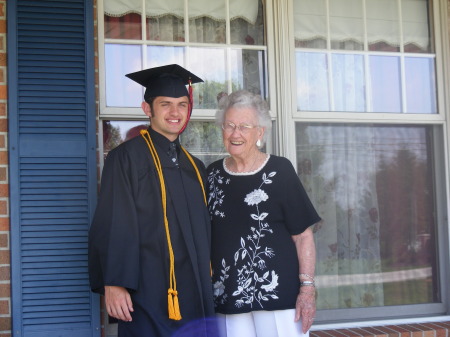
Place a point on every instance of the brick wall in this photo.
(5, 276)
(437, 329)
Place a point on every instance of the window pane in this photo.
(416, 32)
(348, 82)
(385, 84)
(383, 28)
(247, 71)
(161, 55)
(209, 65)
(343, 15)
(310, 24)
(373, 185)
(202, 139)
(165, 28)
(312, 82)
(126, 26)
(420, 85)
(249, 28)
(206, 21)
(121, 60)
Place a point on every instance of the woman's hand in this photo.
(305, 307)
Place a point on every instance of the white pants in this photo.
(279, 323)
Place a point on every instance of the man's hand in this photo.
(305, 307)
(118, 303)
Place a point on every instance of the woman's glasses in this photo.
(244, 128)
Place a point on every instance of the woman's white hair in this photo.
(245, 99)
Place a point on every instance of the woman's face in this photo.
(241, 132)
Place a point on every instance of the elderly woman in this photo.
(263, 253)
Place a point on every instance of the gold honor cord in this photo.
(173, 305)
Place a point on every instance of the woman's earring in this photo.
(258, 143)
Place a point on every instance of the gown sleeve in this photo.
(299, 212)
(114, 233)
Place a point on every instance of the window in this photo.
(364, 56)
(368, 146)
(221, 42)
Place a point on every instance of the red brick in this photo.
(350, 333)
(5, 290)
(4, 157)
(3, 207)
(321, 333)
(4, 121)
(388, 331)
(4, 224)
(374, 331)
(2, 107)
(5, 323)
(4, 240)
(4, 188)
(5, 273)
(4, 257)
(5, 334)
(4, 307)
(2, 174)
(339, 333)
(359, 332)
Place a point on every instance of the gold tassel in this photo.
(172, 297)
(176, 306)
(170, 304)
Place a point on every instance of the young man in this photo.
(149, 243)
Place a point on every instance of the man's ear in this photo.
(147, 109)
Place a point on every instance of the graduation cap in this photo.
(169, 81)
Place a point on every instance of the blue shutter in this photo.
(51, 105)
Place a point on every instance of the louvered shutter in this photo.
(51, 108)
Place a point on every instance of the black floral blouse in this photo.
(254, 215)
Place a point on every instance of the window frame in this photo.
(333, 317)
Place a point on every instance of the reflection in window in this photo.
(121, 60)
(374, 189)
(348, 82)
(312, 82)
(420, 85)
(385, 84)
(201, 139)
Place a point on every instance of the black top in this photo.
(254, 215)
(127, 239)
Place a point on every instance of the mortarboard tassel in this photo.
(190, 107)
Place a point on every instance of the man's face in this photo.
(168, 115)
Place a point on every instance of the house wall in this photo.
(5, 276)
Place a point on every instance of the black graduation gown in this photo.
(128, 245)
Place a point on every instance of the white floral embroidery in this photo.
(215, 195)
(256, 197)
(251, 286)
(219, 294)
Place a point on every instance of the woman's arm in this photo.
(305, 308)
